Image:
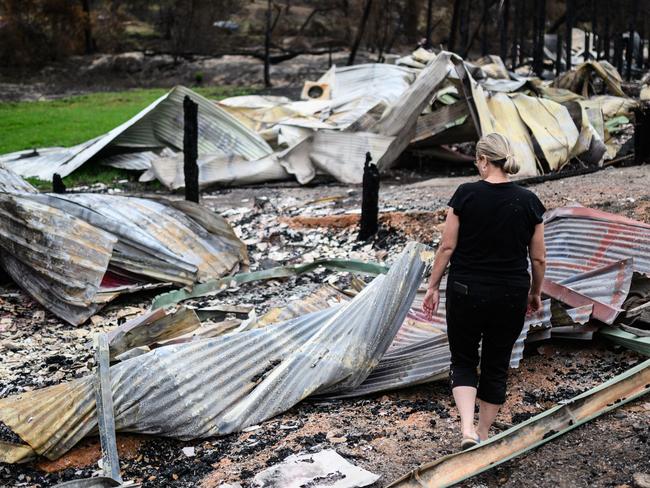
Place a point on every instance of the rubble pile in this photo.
(275, 319)
(427, 103)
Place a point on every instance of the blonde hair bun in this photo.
(496, 148)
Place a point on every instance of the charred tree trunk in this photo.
(484, 29)
(427, 42)
(464, 28)
(359, 36)
(540, 15)
(642, 134)
(191, 149)
(89, 42)
(606, 36)
(570, 15)
(618, 53)
(267, 44)
(455, 17)
(503, 29)
(594, 25)
(558, 55)
(515, 52)
(629, 58)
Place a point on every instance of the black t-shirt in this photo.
(497, 221)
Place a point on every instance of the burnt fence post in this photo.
(368, 225)
(57, 183)
(642, 134)
(190, 149)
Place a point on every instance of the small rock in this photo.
(96, 319)
(188, 451)
(641, 480)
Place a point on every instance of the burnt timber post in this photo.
(57, 184)
(191, 149)
(368, 225)
(642, 134)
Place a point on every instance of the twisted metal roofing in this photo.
(217, 386)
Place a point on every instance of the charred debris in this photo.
(198, 362)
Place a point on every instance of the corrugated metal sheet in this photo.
(75, 252)
(580, 239)
(591, 257)
(59, 259)
(157, 126)
(10, 182)
(217, 386)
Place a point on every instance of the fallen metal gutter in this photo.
(626, 339)
(601, 311)
(528, 435)
(216, 286)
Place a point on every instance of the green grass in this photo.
(70, 121)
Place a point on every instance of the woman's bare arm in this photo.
(445, 251)
(537, 253)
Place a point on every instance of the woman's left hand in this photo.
(430, 303)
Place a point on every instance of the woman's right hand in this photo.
(534, 302)
(430, 302)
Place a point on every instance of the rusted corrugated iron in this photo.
(580, 239)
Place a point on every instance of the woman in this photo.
(492, 227)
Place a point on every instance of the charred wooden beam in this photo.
(369, 225)
(191, 149)
(570, 16)
(57, 184)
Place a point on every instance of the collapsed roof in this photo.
(374, 342)
(73, 253)
(427, 100)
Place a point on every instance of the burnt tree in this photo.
(362, 26)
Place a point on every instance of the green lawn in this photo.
(69, 121)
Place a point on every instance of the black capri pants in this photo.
(493, 315)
